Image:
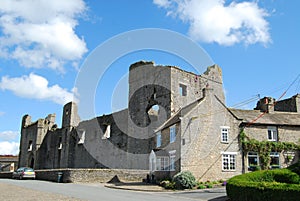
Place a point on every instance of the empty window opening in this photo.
(154, 110)
(59, 143)
(182, 90)
(106, 133)
(30, 145)
(81, 135)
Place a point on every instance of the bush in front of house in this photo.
(184, 180)
(295, 168)
(167, 184)
(269, 185)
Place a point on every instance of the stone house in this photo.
(175, 120)
(204, 138)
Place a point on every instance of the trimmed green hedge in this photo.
(268, 185)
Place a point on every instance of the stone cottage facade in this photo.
(175, 121)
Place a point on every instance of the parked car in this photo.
(24, 173)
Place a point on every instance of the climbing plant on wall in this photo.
(263, 148)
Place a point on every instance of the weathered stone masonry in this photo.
(161, 100)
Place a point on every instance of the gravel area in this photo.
(11, 192)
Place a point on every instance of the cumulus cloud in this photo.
(41, 33)
(36, 87)
(225, 24)
(9, 135)
(9, 148)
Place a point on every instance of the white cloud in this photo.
(9, 135)
(41, 33)
(162, 3)
(7, 148)
(1, 113)
(36, 87)
(226, 24)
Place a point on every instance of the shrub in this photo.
(184, 180)
(267, 185)
(167, 184)
(295, 168)
(201, 186)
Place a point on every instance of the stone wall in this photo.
(92, 175)
(5, 175)
(289, 105)
(202, 150)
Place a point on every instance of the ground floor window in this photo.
(253, 161)
(228, 161)
(274, 160)
(162, 163)
(172, 159)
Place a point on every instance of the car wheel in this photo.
(20, 177)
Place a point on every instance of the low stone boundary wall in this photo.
(5, 175)
(91, 175)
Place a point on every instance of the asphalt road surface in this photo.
(43, 190)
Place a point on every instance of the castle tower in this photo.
(168, 88)
(32, 136)
(70, 120)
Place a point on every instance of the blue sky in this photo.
(44, 43)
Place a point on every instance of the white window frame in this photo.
(162, 163)
(158, 139)
(225, 134)
(229, 161)
(172, 155)
(172, 133)
(272, 134)
(252, 154)
(275, 155)
(182, 89)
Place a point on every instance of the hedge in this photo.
(269, 185)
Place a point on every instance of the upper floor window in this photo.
(172, 133)
(272, 134)
(158, 139)
(182, 90)
(224, 133)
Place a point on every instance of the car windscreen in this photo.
(28, 170)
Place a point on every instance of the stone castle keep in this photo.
(175, 120)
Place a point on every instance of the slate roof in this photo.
(274, 118)
(180, 113)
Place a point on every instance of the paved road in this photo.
(96, 192)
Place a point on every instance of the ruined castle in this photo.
(175, 120)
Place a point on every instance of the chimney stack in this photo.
(265, 104)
